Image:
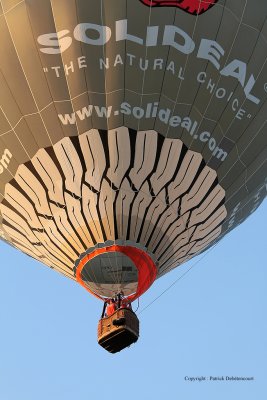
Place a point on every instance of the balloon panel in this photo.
(111, 273)
(130, 122)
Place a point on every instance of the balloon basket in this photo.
(118, 331)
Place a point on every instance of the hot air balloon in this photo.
(132, 134)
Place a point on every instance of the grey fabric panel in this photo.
(138, 102)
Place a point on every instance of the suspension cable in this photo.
(178, 279)
(138, 305)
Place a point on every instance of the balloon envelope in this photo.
(132, 132)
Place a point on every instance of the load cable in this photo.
(177, 280)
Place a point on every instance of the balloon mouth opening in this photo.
(115, 269)
(109, 273)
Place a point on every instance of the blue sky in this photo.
(211, 323)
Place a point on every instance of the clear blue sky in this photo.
(211, 323)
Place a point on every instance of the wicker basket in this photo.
(119, 330)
